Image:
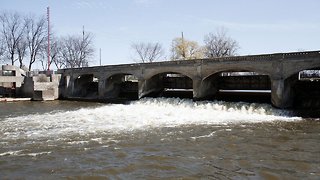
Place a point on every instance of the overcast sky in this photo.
(260, 26)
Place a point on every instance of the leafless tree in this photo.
(76, 51)
(36, 35)
(12, 31)
(22, 47)
(86, 49)
(2, 49)
(218, 44)
(147, 52)
(55, 54)
(26, 36)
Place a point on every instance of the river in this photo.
(157, 138)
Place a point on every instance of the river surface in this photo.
(159, 138)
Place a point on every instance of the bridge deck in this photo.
(290, 55)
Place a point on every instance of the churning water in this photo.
(156, 138)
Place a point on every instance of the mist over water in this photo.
(148, 137)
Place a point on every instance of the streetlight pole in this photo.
(100, 56)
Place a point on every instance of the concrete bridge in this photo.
(204, 77)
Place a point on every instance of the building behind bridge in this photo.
(16, 82)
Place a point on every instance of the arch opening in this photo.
(86, 86)
(169, 84)
(240, 85)
(306, 89)
(122, 86)
(64, 86)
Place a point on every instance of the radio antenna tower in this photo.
(48, 18)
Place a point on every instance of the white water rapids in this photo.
(144, 114)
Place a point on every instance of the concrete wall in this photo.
(27, 88)
(11, 79)
(48, 86)
(40, 87)
(44, 95)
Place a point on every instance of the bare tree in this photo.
(69, 51)
(22, 47)
(76, 51)
(147, 52)
(218, 44)
(55, 54)
(86, 49)
(182, 49)
(36, 37)
(2, 49)
(12, 32)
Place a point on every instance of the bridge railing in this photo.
(220, 59)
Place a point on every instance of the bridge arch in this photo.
(119, 85)
(168, 84)
(236, 69)
(235, 84)
(122, 73)
(302, 89)
(187, 72)
(297, 69)
(289, 91)
(85, 85)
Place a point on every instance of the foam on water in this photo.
(138, 115)
(20, 153)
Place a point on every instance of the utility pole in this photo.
(100, 56)
(183, 46)
(83, 33)
(48, 18)
(82, 43)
